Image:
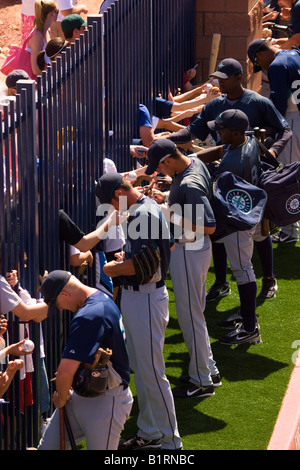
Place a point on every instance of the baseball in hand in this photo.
(27, 346)
(131, 176)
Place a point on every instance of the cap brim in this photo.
(52, 308)
(213, 126)
(219, 75)
(256, 68)
(151, 168)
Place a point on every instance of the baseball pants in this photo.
(145, 316)
(188, 269)
(239, 249)
(99, 420)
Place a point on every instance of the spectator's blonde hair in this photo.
(41, 9)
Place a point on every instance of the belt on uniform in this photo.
(159, 284)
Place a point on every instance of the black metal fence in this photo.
(54, 136)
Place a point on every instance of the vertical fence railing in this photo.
(148, 47)
(53, 139)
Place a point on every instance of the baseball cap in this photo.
(71, 22)
(106, 186)
(159, 150)
(227, 68)
(51, 287)
(234, 119)
(14, 76)
(253, 48)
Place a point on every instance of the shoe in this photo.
(218, 290)
(191, 390)
(216, 379)
(269, 288)
(137, 443)
(231, 321)
(281, 237)
(241, 336)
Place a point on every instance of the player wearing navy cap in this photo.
(261, 113)
(282, 67)
(97, 413)
(239, 155)
(142, 271)
(191, 220)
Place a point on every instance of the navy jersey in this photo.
(97, 324)
(242, 161)
(283, 74)
(261, 113)
(191, 189)
(146, 223)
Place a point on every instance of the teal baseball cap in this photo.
(71, 22)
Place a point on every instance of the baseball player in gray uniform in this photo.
(261, 113)
(191, 216)
(239, 155)
(144, 306)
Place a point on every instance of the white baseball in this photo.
(208, 86)
(131, 176)
(28, 346)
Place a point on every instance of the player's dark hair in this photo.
(125, 185)
(176, 154)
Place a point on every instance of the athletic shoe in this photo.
(281, 237)
(218, 290)
(137, 443)
(231, 322)
(191, 390)
(269, 288)
(216, 379)
(241, 336)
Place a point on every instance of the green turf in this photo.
(243, 412)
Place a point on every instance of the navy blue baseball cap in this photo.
(14, 76)
(227, 68)
(233, 119)
(158, 151)
(253, 48)
(106, 186)
(51, 287)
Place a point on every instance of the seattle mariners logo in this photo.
(292, 205)
(241, 200)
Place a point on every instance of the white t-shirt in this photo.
(28, 7)
(64, 5)
(115, 239)
(8, 297)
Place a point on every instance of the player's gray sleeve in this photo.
(282, 139)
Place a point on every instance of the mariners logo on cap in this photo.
(241, 200)
(292, 205)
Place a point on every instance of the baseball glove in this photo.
(92, 379)
(102, 356)
(146, 263)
